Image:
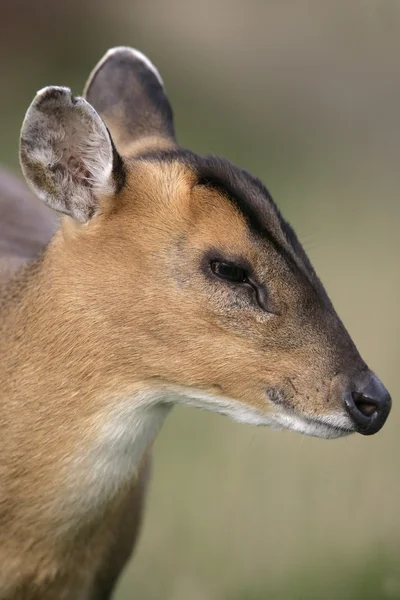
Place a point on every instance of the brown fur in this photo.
(125, 304)
(33, 564)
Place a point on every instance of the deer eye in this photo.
(229, 271)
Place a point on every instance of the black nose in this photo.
(369, 407)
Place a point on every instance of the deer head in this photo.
(180, 269)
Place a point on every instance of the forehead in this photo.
(246, 192)
(175, 174)
(251, 199)
(236, 187)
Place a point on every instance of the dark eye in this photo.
(229, 271)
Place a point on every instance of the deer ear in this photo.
(128, 93)
(67, 155)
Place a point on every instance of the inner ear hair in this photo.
(67, 154)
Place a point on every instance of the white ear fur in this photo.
(66, 152)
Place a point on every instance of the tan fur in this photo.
(115, 320)
(98, 259)
(32, 562)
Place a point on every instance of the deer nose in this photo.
(369, 407)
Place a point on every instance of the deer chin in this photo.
(329, 426)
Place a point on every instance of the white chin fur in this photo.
(328, 426)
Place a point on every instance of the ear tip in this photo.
(43, 105)
(53, 94)
(55, 97)
(126, 53)
(51, 104)
(133, 53)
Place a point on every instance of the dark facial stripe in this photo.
(248, 194)
(253, 201)
(256, 223)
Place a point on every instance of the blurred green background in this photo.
(306, 95)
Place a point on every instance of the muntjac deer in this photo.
(172, 278)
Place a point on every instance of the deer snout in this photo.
(368, 405)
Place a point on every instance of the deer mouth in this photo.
(365, 405)
(330, 426)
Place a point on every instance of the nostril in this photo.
(365, 405)
(370, 407)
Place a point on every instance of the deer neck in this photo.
(88, 431)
